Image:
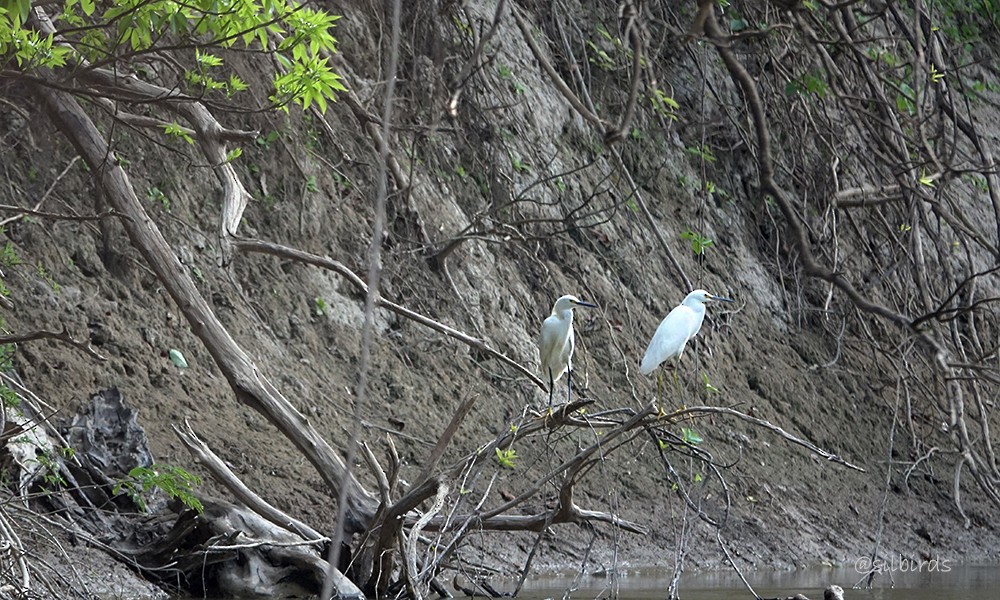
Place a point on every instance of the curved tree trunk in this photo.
(248, 383)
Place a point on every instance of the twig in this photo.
(224, 475)
(718, 536)
(699, 410)
(50, 215)
(42, 334)
(45, 195)
(467, 69)
(341, 269)
(557, 81)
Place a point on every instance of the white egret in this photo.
(676, 330)
(556, 344)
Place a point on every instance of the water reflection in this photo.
(961, 582)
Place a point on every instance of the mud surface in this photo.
(771, 352)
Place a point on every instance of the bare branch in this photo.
(224, 475)
(62, 336)
(339, 268)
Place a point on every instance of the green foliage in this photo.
(906, 99)
(175, 130)
(155, 194)
(699, 243)
(967, 22)
(265, 141)
(44, 274)
(50, 466)
(703, 152)
(26, 47)
(519, 165)
(8, 256)
(506, 458)
(690, 437)
(599, 57)
(809, 83)
(711, 389)
(8, 397)
(320, 306)
(174, 481)
(664, 105)
(299, 37)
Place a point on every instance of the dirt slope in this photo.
(508, 173)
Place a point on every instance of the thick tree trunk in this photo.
(248, 383)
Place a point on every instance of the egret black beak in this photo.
(720, 298)
(587, 304)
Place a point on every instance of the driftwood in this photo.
(232, 550)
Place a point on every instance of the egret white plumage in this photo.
(676, 330)
(556, 343)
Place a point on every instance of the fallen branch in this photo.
(224, 475)
(721, 410)
(62, 336)
(341, 269)
(45, 195)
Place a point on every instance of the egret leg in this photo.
(569, 385)
(552, 385)
(659, 393)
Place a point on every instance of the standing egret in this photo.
(555, 347)
(676, 330)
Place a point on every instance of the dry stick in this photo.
(747, 86)
(721, 410)
(567, 93)
(890, 451)
(62, 336)
(459, 533)
(572, 462)
(210, 136)
(410, 554)
(718, 536)
(470, 64)
(388, 517)
(446, 437)
(248, 383)
(339, 268)
(371, 297)
(672, 260)
(812, 268)
(635, 38)
(861, 196)
(51, 215)
(224, 475)
(633, 187)
(45, 196)
(16, 550)
(376, 468)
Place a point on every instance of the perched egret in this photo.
(555, 347)
(676, 330)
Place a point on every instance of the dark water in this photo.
(943, 581)
(949, 581)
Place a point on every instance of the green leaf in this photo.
(177, 358)
(690, 436)
(174, 129)
(207, 60)
(506, 458)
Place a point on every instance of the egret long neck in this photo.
(565, 314)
